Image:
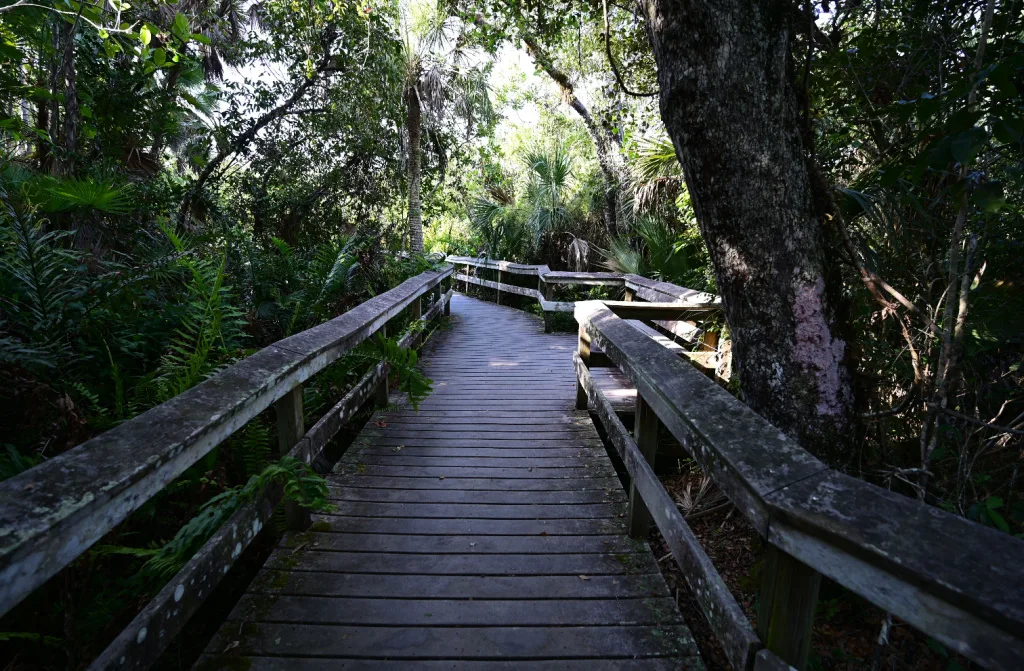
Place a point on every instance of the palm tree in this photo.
(439, 86)
(550, 172)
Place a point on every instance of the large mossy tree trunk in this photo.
(729, 103)
(414, 121)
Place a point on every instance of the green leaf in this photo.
(937, 647)
(989, 197)
(1009, 130)
(180, 27)
(159, 57)
(145, 35)
(202, 39)
(997, 520)
(967, 144)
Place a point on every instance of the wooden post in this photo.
(290, 430)
(548, 291)
(785, 614)
(448, 305)
(416, 309)
(467, 279)
(498, 289)
(380, 394)
(645, 433)
(584, 351)
(628, 296)
(710, 341)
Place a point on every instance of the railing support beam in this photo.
(290, 430)
(785, 614)
(548, 291)
(645, 435)
(584, 351)
(380, 394)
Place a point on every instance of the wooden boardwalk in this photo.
(484, 531)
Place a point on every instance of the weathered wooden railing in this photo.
(547, 279)
(54, 512)
(955, 580)
(544, 282)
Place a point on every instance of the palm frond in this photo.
(52, 194)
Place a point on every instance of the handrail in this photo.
(635, 286)
(953, 579)
(51, 514)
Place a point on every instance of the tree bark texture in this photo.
(69, 134)
(730, 105)
(414, 120)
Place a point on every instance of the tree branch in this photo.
(611, 60)
(262, 122)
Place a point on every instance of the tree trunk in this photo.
(414, 121)
(169, 94)
(729, 104)
(606, 144)
(69, 135)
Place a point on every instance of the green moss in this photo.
(320, 526)
(279, 581)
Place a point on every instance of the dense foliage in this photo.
(183, 183)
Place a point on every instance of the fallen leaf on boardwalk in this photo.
(231, 646)
(584, 577)
(398, 448)
(543, 533)
(381, 423)
(440, 477)
(472, 545)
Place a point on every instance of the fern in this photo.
(92, 398)
(13, 462)
(32, 637)
(207, 328)
(402, 363)
(298, 483)
(38, 278)
(15, 351)
(255, 447)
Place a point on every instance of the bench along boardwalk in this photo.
(489, 526)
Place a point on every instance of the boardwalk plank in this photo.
(469, 544)
(216, 663)
(484, 531)
(452, 612)
(536, 588)
(520, 643)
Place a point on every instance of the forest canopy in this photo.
(183, 183)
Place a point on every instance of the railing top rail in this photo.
(647, 289)
(956, 580)
(656, 291)
(52, 513)
(484, 262)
